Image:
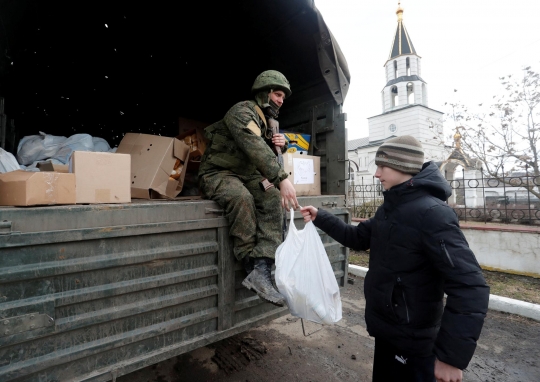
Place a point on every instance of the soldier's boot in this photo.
(260, 281)
(248, 264)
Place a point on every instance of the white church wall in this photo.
(418, 92)
(389, 71)
(424, 95)
(392, 103)
(415, 121)
(401, 66)
(402, 99)
(401, 61)
(352, 155)
(414, 65)
(366, 161)
(405, 120)
(387, 100)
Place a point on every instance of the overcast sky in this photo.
(464, 44)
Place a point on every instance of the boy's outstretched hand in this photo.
(447, 373)
(309, 213)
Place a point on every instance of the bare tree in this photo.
(505, 137)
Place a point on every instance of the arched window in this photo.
(410, 93)
(394, 96)
(395, 69)
(408, 66)
(351, 174)
(353, 170)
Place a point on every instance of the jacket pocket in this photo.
(399, 303)
(445, 253)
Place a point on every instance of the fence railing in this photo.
(500, 200)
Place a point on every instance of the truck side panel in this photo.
(87, 295)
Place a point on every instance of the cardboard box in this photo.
(196, 141)
(153, 159)
(48, 166)
(304, 173)
(101, 177)
(297, 143)
(25, 188)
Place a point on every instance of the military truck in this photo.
(93, 292)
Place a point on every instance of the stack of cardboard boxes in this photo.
(143, 167)
(91, 177)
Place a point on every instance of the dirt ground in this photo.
(508, 351)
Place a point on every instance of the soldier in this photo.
(236, 162)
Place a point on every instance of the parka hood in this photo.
(431, 179)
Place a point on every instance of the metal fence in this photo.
(474, 198)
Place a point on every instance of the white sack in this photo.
(101, 145)
(305, 277)
(77, 142)
(38, 147)
(7, 162)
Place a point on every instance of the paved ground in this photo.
(508, 351)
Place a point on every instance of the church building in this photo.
(405, 111)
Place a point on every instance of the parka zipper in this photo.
(404, 299)
(443, 247)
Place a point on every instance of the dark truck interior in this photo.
(110, 67)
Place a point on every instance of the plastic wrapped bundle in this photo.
(7, 162)
(77, 142)
(33, 148)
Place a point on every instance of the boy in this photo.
(417, 253)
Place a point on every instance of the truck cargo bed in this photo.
(91, 292)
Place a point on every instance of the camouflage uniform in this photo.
(236, 160)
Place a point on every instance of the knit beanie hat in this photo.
(403, 153)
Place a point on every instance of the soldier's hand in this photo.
(309, 213)
(288, 194)
(278, 140)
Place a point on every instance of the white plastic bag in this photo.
(305, 277)
(8, 162)
(76, 142)
(38, 147)
(101, 145)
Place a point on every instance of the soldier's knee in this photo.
(241, 198)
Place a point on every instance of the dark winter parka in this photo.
(418, 253)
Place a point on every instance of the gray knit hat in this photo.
(403, 153)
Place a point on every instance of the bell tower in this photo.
(404, 105)
(405, 108)
(404, 86)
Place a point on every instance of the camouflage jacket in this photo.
(240, 143)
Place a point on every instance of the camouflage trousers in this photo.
(255, 216)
